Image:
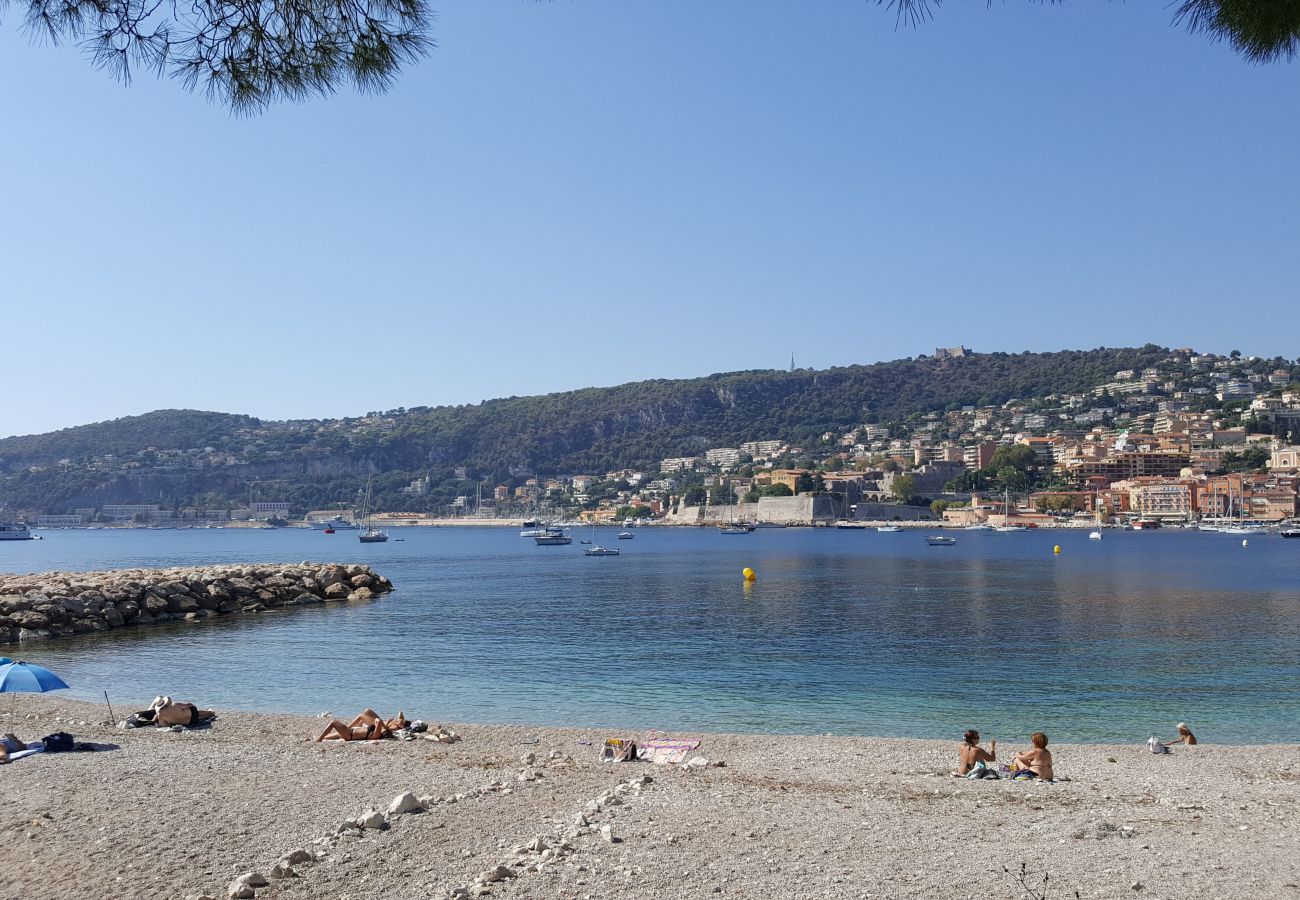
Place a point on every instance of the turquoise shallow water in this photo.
(845, 631)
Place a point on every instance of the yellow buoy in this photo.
(1056, 549)
(748, 573)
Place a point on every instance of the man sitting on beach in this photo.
(1036, 762)
(366, 727)
(970, 752)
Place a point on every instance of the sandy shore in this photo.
(182, 814)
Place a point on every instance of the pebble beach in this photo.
(252, 807)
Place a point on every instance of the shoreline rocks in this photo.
(60, 604)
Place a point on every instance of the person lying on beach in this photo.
(368, 726)
(969, 753)
(1035, 762)
(9, 743)
(167, 712)
(1185, 736)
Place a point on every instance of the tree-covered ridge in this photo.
(163, 429)
(316, 462)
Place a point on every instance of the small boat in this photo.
(733, 529)
(940, 540)
(329, 530)
(848, 525)
(982, 526)
(625, 535)
(533, 531)
(1146, 525)
(1290, 532)
(584, 542)
(889, 529)
(601, 551)
(769, 525)
(1010, 528)
(1094, 535)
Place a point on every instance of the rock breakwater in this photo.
(57, 604)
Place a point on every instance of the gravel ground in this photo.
(181, 815)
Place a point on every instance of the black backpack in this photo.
(59, 742)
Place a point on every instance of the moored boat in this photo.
(553, 537)
(15, 531)
(601, 551)
(337, 523)
(940, 540)
(889, 529)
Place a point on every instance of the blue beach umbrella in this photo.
(26, 678)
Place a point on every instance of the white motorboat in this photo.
(625, 535)
(889, 529)
(338, 523)
(850, 526)
(553, 537)
(15, 531)
(978, 527)
(601, 551)
(940, 540)
(733, 529)
(1290, 532)
(1010, 528)
(1094, 535)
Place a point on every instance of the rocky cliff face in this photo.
(56, 604)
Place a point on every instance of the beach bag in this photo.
(1156, 747)
(59, 742)
(618, 750)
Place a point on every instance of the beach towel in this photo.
(663, 752)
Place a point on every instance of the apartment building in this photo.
(1160, 498)
(723, 456)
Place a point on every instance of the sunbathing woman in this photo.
(970, 752)
(1035, 763)
(366, 727)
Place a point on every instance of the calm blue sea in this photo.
(851, 632)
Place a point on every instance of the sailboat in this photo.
(1006, 517)
(370, 535)
(1238, 525)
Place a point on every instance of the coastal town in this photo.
(1197, 437)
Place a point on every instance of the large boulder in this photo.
(12, 603)
(30, 619)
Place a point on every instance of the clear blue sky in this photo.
(575, 193)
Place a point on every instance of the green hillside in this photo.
(200, 457)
